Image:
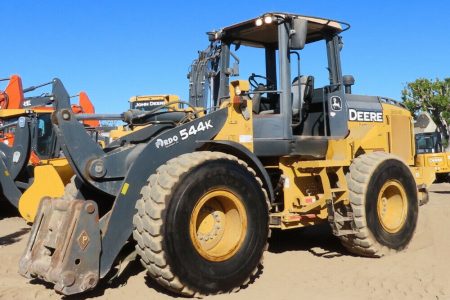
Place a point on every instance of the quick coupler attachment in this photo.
(64, 246)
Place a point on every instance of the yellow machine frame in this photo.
(309, 183)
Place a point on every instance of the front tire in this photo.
(202, 224)
(383, 197)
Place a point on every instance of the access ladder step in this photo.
(338, 221)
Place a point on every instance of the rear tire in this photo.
(383, 197)
(202, 224)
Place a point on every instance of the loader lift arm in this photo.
(115, 171)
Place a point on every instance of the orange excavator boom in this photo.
(12, 97)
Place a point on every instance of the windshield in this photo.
(426, 143)
(45, 137)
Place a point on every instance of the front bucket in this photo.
(64, 246)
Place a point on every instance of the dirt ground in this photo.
(302, 264)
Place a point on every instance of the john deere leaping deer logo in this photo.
(336, 103)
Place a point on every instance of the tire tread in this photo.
(151, 208)
(361, 171)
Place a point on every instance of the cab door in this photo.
(337, 113)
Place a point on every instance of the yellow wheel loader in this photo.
(31, 162)
(145, 103)
(199, 190)
(430, 147)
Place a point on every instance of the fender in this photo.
(246, 155)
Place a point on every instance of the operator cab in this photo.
(46, 138)
(428, 142)
(292, 114)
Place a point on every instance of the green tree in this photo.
(432, 96)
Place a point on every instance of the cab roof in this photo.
(248, 33)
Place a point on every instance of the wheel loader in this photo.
(31, 163)
(199, 190)
(430, 147)
(145, 103)
(13, 98)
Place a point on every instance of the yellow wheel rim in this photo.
(218, 225)
(392, 206)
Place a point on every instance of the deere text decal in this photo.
(365, 116)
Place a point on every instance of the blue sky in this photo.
(116, 49)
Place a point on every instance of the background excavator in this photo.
(31, 160)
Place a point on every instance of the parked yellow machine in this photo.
(31, 164)
(31, 160)
(145, 103)
(430, 147)
(431, 154)
(149, 102)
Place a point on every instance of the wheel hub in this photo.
(218, 225)
(392, 206)
(211, 225)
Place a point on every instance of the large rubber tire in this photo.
(372, 177)
(163, 224)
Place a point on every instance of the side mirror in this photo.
(341, 43)
(299, 31)
(235, 69)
